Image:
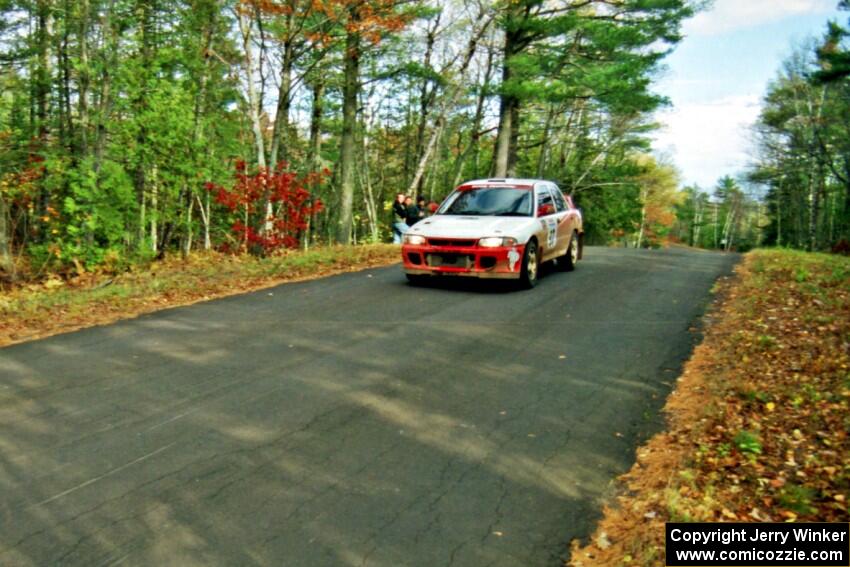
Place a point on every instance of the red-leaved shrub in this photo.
(292, 205)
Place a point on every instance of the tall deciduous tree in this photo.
(365, 22)
(804, 155)
(114, 114)
(579, 50)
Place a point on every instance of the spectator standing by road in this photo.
(412, 211)
(422, 208)
(399, 218)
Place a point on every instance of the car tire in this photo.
(530, 272)
(415, 279)
(567, 262)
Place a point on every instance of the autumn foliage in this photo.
(291, 199)
(370, 19)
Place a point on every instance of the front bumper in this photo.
(504, 262)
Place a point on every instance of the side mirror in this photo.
(545, 210)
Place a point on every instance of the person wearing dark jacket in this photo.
(421, 207)
(412, 212)
(399, 218)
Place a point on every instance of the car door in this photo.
(547, 212)
(566, 219)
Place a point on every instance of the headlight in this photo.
(495, 241)
(415, 239)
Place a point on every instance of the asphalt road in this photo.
(352, 421)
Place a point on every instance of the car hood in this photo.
(458, 226)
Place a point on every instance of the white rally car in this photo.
(496, 228)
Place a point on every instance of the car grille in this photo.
(450, 260)
(450, 242)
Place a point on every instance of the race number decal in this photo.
(552, 232)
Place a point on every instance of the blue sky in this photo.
(718, 75)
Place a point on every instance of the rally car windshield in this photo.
(489, 201)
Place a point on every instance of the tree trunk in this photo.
(186, 190)
(83, 77)
(577, 114)
(370, 203)
(7, 264)
(502, 159)
(205, 219)
(254, 109)
(43, 78)
(278, 152)
(104, 101)
(423, 161)
(245, 23)
(729, 227)
(407, 129)
(644, 197)
(281, 118)
(66, 131)
(814, 210)
(845, 207)
(716, 207)
(187, 240)
(695, 229)
(154, 211)
(814, 190)
(426, 97)
(316, 113)
(314, 148)
(544, 142)
(140, 174)
(504, 154)
(514, 140)
(43, 84)
(351, 84)
(143, 222)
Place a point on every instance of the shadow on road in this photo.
(347, 421)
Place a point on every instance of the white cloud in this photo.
(709, 140)
(729, 15)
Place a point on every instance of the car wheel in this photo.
(568, 261)
(530, 266)
(415, 279)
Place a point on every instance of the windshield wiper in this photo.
(512, 214)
